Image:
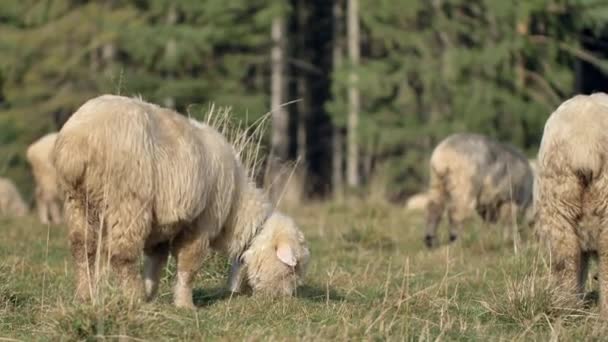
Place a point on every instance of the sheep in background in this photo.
(571, 192)
(11, 202)
(473, 173)
(163, 183)
(48, 197)
(417, 202)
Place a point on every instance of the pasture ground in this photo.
(370, 278)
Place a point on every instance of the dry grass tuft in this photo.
(529, 298)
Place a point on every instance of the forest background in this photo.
(369, 86)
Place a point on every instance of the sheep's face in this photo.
(277, 259)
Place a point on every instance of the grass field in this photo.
(370, 278)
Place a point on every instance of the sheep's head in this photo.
(277, 259)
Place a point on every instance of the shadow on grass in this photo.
(208, 297)
(13, 300)
(318, 294)
(591, 299)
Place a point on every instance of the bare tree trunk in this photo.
(338, 137)
(303, 106)
(337, 163)
(279, 148)
(170, 51)
(280, 120)
(353, 94)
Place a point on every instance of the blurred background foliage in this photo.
(427, 69)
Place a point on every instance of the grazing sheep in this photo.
(48, 197)
(417, 202)
(156, 181)
(571, 192)
(11, 202)
(471, 172)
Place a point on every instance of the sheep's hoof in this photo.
(429, 241)
(453, 237)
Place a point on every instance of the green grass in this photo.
(370, 278)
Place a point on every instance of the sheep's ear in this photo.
(285, 254)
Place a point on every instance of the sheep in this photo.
(156, 181)
(11, 202)
(571, 192)
(473, 173)
(533, 164)
(48, 197)
(417, 202)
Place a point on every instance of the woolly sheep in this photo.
(164, 183)
(48, 197)
(571, 192)
(473, 173)
(11, 202)
(417, 202)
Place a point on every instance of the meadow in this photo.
(370, 278)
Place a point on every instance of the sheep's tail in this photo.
(70, 160)
(585, 161)
(577, 135)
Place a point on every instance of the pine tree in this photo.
(57, 54)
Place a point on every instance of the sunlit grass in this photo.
(370, 278)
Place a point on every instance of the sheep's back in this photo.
(575, 137)
(493, 169)
(121, 148)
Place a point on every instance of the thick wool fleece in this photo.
(571, 191)
(472, 173)
(159, 182)
(48, 196)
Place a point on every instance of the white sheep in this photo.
(159, 182)
(417, 202)
(48, 196)
(571, 192)
(11, 202)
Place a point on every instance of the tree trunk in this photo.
(337, 163)
(170, 53)
(353, 94)
(338, 135)
(280, 120)
(279, 149)
(302, 84)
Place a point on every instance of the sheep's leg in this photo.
(43, 209)
(603, 273)
(558, 212)
(458, 212)
(55, 211)
(462, 204)
(155, 261)
(236, 278)
(435, 208)
(456, 218)
(568, 262)
(434, 213)
(83, 247)
(189, 249)
(130, 225)
(583, 271)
